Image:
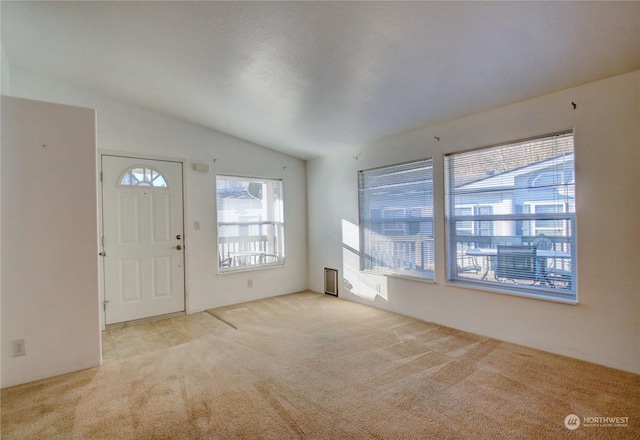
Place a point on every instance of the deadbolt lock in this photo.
(179, 237)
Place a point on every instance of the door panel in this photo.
(129, 216)
(130, 276)
(161, 277)
(142, 220)
(160, 207)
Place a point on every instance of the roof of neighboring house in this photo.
(508, 178)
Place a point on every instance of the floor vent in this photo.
(331, 281)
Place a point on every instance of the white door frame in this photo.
(143, 156)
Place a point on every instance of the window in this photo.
(143, 176)
(396, 219)
(506, 203)
(250, 223)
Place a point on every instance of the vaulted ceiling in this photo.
(310, 78)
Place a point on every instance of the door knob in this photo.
(179, 237)
(179, 247)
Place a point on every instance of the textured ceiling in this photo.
(311, 78)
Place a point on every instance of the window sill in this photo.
(250, 269)
(410, 278)
(512, 292)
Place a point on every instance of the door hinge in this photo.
(104, 305)
(100, 176)
(103, 254)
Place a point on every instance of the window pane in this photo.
(503, 202)
(250, 222)
(396, 219)
(140, 176)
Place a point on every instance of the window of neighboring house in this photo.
(465, 227)
(396, 219)
(250, 223)
(484, 228)
(510, 217)
(551, 227)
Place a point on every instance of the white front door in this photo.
(143, 238)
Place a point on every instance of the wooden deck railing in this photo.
(409, 252)
(245, 251)
(466, 263)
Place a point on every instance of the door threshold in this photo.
(142, 320)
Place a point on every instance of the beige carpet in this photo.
(312, 366)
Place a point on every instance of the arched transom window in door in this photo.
(143, 176)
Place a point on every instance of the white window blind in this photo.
(511, 217)
(396, 219)
(250, 222)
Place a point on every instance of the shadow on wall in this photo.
(364, 285)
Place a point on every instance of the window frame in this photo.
(234, 253)
(422, 251)
(565, 237)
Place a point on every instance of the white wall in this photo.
(4, 89)
(605, 326)
(49, 243)
(4, 85)
(5, 72)
(127, 128)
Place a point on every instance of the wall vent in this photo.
(331, 281)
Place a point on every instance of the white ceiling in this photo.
(311, 78)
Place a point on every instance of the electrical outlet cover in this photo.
(19, 348)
